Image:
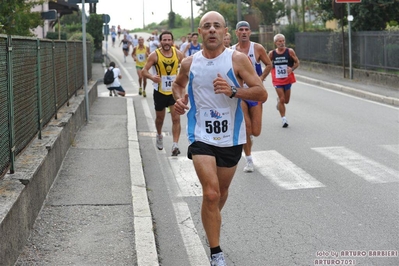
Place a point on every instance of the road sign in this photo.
(347, 1)
(106, 18)
(50, 15)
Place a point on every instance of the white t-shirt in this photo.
(135, 42)
(116, 82)
(153, 45)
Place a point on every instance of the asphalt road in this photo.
(323, 187)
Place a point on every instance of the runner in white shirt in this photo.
(153, 44)
(216, 126)
(135, 41)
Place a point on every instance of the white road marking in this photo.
(392, 148)
(120, 65)
(186, 176)
(282, 172)
(144, 232)
(364, 167)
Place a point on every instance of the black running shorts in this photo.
(161, 101)
(225, 156)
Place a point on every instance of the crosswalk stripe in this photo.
(186, 177)
(282, 172)
(392, 148)
(364, 167)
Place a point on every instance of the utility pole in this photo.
(192, 17)
(350, 18)
(85, 59)
(303, 15)
(239, 10)
(143, 16)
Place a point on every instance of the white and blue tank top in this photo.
(215, 119)
(251, 55)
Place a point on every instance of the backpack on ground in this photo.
(109, 77)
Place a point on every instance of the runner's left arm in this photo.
(265, 59)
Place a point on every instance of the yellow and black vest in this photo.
(166, 68)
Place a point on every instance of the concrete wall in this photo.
(22, 194)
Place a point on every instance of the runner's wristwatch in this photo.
(233, 91)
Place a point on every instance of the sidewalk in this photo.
(97, 211)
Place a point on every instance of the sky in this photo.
(129, 13)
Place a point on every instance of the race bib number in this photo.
(167, 82)
(281, 71)
(216, 125)
(141, 57)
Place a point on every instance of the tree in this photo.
(368, 15)
(227, 8)
(270, 10)
(373, 15)
(172, 19)
(16, 17)
(95, 27)
(326, 10)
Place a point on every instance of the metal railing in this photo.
(370, 50)
(39, 77)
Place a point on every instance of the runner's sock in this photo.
(216, 250)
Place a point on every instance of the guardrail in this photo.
(373, 50)
(39, 77)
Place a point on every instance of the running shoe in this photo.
(144, 94)
(175, 150)
(168, 109)
(110, 93)
(249, 167)
(218, 259)
(115, 93)
(140, 91)
(159, 142)
(285, 122)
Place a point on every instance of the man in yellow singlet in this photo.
(140, 54)
(166, 61)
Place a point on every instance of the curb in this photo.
(352, 91)
(146, 250)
